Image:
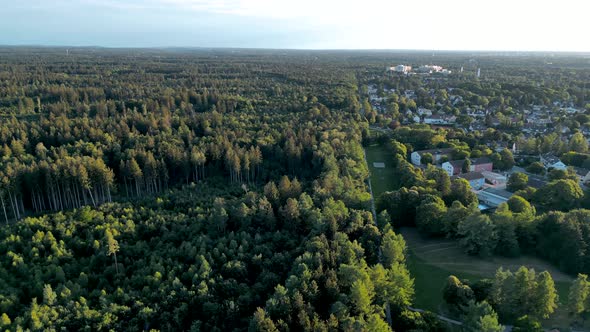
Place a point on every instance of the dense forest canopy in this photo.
(227, 189)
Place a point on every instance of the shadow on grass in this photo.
(432, 261)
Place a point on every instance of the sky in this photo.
(506, 25)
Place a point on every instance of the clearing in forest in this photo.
(447, 254)
(382, 175)
(431, 261)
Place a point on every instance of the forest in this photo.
(202, 191)
(227, 190)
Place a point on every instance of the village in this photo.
(450, 109)
(489, 184)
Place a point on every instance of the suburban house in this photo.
(539, 120)
(437, 154)
(491, 198)
(455, 167)
(551, 161)
(583, 175)
(424, 111)
(497, 180)
(440, 119)
(410, 94)
(481, 164)
(476, 179)
(572, 110)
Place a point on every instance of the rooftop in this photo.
(456, 163)
(550, 158)
(493, 197)
(435, 151)
(498, 192)
(470, 176)
(481, 161)
(493, 175)
(581, 171)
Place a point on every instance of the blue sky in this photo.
(316, 24)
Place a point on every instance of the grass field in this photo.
(431, 261)
(382, 179)
(440, 258)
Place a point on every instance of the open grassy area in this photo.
(429, 281)
(382, 179)
(447, 254)
(431, 261)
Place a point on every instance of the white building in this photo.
(437, 155)
(429, 69)
(551, 161)
(440, 119)
(583, 175)
(491, 198)
(401, 69)
(453, 167)
(424, 111)
(495, 179)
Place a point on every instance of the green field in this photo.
(434, 258)
(382, 179)
(431, 261)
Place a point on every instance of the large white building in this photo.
(491, 198)
(429, 69)
(401, 69)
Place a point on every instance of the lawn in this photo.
(382, 179)
(429, 281)
(432, 261)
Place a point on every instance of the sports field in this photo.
(382, 176)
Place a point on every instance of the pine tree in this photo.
(393, 248)
(136, 174)
(261, 322)
(578, 295)
(545, 297)
(49, 296)
(112, 247)
(361, 297)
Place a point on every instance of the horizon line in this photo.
(289, 48)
